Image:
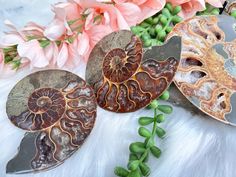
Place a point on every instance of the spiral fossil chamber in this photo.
(123, 79)
(58, 110)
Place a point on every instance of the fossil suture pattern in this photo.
(58, 111)
(207, 71)
(126, 77)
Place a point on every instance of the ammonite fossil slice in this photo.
(58, 111)
(124, 76)
(230, 6)
(207, 71)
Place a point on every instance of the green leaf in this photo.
(145, 169)
(120, 171)
(7, 59)
(133, 165)
(160, 132)
(71, 22)
(16, 64)
(169, 29)
(44, 43)
(29, 38)
(147, 43)
(135, 173)
(161, 35)
(146, 157)
(166, 12)
(155, 20)
(145, 120)
(158, 28)
(163, 20)
(137, 147)
(169, 6)
(165, 109)
(149, 142)
(152, 32)
(176, 10)
(215, 12)
(149, 20)
(176, 19)
(144, 24)
(9, 49)
(160, 118)
(144, 132)
(98, 19)
(153, 105)
(155, 151)
(58, 43)
(137, 29)
(132, 157)
(233, 13)
(70, 39)
(165, 95)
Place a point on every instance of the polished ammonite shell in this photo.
(230, 6)
(124, 76)
(207, 71)
(58, 110)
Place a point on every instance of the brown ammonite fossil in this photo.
(124, 76)
(230, 6)
(58, 110)
(207, 71)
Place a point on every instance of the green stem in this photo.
(168, 23)
(155, 123)
(154, 128)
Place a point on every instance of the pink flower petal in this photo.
(119, 1)
(10, 39)
(14, 29)
(96, 33)
(62, 55)
(216, 3)
(189, 9)
(89, 19)
(150, 8)
(177, 2)
(74, 56)
(130, 12)
(33, 52)
(121, 22)
(83, 43)
(55, 30)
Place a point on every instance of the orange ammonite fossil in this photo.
(58, 111)
(125, 77)
(207, 71)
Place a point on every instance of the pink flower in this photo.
(147, 8)
(32, 51)
(191, 7)
(65, 13)
(25, 45)
(102, 14)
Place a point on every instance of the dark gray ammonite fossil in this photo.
(58, 110)
(124, 76)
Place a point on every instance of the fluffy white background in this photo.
(194, 146)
